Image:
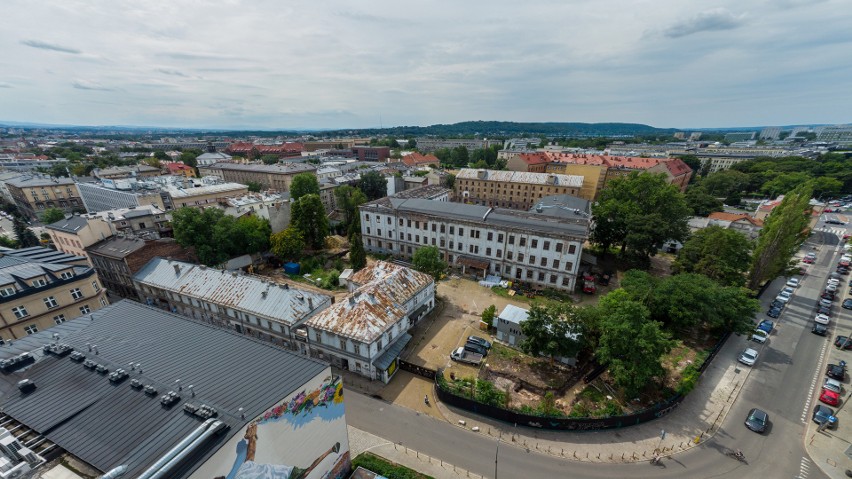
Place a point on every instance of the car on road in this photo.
(766, 325)
(847, 303)
(759, 336)
(824, 310)
(822, 319)
(774, 312)
(836, 371)
(748, 357)
(843, 342)
(793, 282)
(808, 260)
(834, 221)
(820, 329)
(830, 397)
(833, 385)
(825, 302)
(757, 420)
(822, 415)
(480, 341)
(776, 304)
(829, 295)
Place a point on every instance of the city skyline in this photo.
(261, 65)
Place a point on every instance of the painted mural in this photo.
(302, 437)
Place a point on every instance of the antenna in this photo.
(177, 383)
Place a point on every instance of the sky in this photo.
(320, 64)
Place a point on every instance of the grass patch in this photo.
(386, 468)
(505, 352)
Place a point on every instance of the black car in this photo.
(820, 329)
(776, 304)
(480, 341)
(475, 348)
(836, 371)
(824, 310)
(847, 303)
(774, 312)
(843, 270)
(757, 420)
(822, 414)
(843, 342)
(829, 295)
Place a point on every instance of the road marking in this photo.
(804, 468)
(816, 377)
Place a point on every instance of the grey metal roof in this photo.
(69, 225)
(384, 361)
(514, 314)
(241, 292)
(278, 168)
(44, 255)
(107, 425)
(116, 247)
(31, 181)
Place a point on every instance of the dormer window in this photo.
(7, 291)
(39, 282)
(66, 275)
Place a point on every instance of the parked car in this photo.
(774, 312)
(831, 288)
(843, 342)
(843, 270)
(825, 302)
(463, 356)
(833, 280)
(808, 260)
(820, 329)
(827, 295)
(824, 310)
(824, 414)
(793, 282)
(822, 319)
(766, 325)
(783, 296)
(833, 385)
(830, 397)
(847, 303)
(811, 255)
(480, 341)
(748, 357)
(475, 348)
(757, 420)
(776, 304)
(759, 336)
(836, 371)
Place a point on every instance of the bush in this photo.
(386, 468)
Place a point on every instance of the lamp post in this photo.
(497, 453)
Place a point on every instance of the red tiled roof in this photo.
(534, 158)
(722, 216)
(416, 159)
(677, 167)
(245, 147)
(175, 167)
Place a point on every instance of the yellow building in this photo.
(73, 235)
(34, 194)
(511, 189)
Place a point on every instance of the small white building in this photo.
(508, 326)
(366, 331)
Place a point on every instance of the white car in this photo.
(783, 296)
(833, 385)
(831, 288)
(833, 281)
(793, 282)
(748, 357)
(759, 336)
(822, 319)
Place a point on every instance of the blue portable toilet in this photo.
(291, 268)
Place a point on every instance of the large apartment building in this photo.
(432, 144)
(511, 189)
(117, 259)
(276, 177)
(541, 247)
(38, 294)
(73, 234)
(34, 194)
(598, 170)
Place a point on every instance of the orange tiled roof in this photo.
(677, 167)
(722, 216)
(416, 159)
(534, 158)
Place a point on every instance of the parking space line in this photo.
(814, 383)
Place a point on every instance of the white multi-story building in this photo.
(366, 331)
(542, 246)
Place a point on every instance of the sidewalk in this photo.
(694, 421)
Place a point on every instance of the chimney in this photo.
(177, 269)
(311, 303)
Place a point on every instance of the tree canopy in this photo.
(427, 259)
(373, 185)
(304, 184)
(357, 255)
(554, 332)
(288, 244)
(349, 199)
(721, 254)
(640, 213)
(52, 215)
(217, 237)
(308, 216)
(701, 202)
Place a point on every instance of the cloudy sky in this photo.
(338, 64)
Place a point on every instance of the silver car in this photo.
(748, 357)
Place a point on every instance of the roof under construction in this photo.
(84, 404)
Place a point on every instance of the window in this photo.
(508, 255)
(499, 253)
(59, 319)
(523, 241)
(39, 282)
(367, 217)
(85, 309)
(566, 281)
(553, 278)
(547, 245)
(541, 276)
(490, 236)
(520, 257)
(50, 302)
(379, 344)
(76, 293)
(31, 329)
(452, 244)
(543, 262)
(534, 243)
(487, 251)
(461, 231)
(400, 221)
(556, 264)
(442, 242)
(434, 227)
(20, 312)
(532, 259)
(443, 228)
(8, 291)
(103, 301)
(409, 223)
(452, 230)
(66, 275)
(500, 238)
(529, 274)
(389, 220)
(569, 266)
(343, 344)
(572, 249)
(511, 239)
(558, 247)
(368, 230)
(461, 246)
(417, 238)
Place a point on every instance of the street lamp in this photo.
(497, 453)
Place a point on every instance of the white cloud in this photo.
(304, 64)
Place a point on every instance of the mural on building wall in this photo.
(302, 437)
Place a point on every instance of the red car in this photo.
(830, 397)
(808, 260)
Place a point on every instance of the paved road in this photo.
(779, 384)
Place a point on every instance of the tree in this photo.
(249, 235)
(428, 260)
(357, 255)
(52, 215)
(194, 228)
(349, 198)
(459, 156)
(553, 332)
(724, 183)
(288, 244)
(161, 155)
(7, 242)
(694, 163)
(640, 212)
(826, 186)
(701, 202)
(269, 159)
(374, 185)
(308, 216)
(444, 156)
(304, 184)
(451, 180)
(784, 182)
(783, 232)
(488, 315)
(188, 157)
(721, 254)
(26, 237)
(630, 344)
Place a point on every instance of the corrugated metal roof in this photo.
(241, 292)
(116, 247)
(513, 314)
(107, 424)
(176, 192)
(376, 305)
(44, 255)
(69, 225)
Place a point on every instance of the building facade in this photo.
(100, 198)
(117, 259)
(36, 295)
(432, 144)
(74, 234)
(511, 189)
(371, 153)
(366, 331)
(277, 177)
(32, 195)
(540, 248)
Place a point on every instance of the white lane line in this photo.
(816, 377)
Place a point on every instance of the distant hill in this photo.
(511, 128)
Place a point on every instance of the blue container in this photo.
(291, 268)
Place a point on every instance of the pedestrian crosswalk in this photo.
(837, 231)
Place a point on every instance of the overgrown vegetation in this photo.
(388, 469)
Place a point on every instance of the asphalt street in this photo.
(779, 383)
